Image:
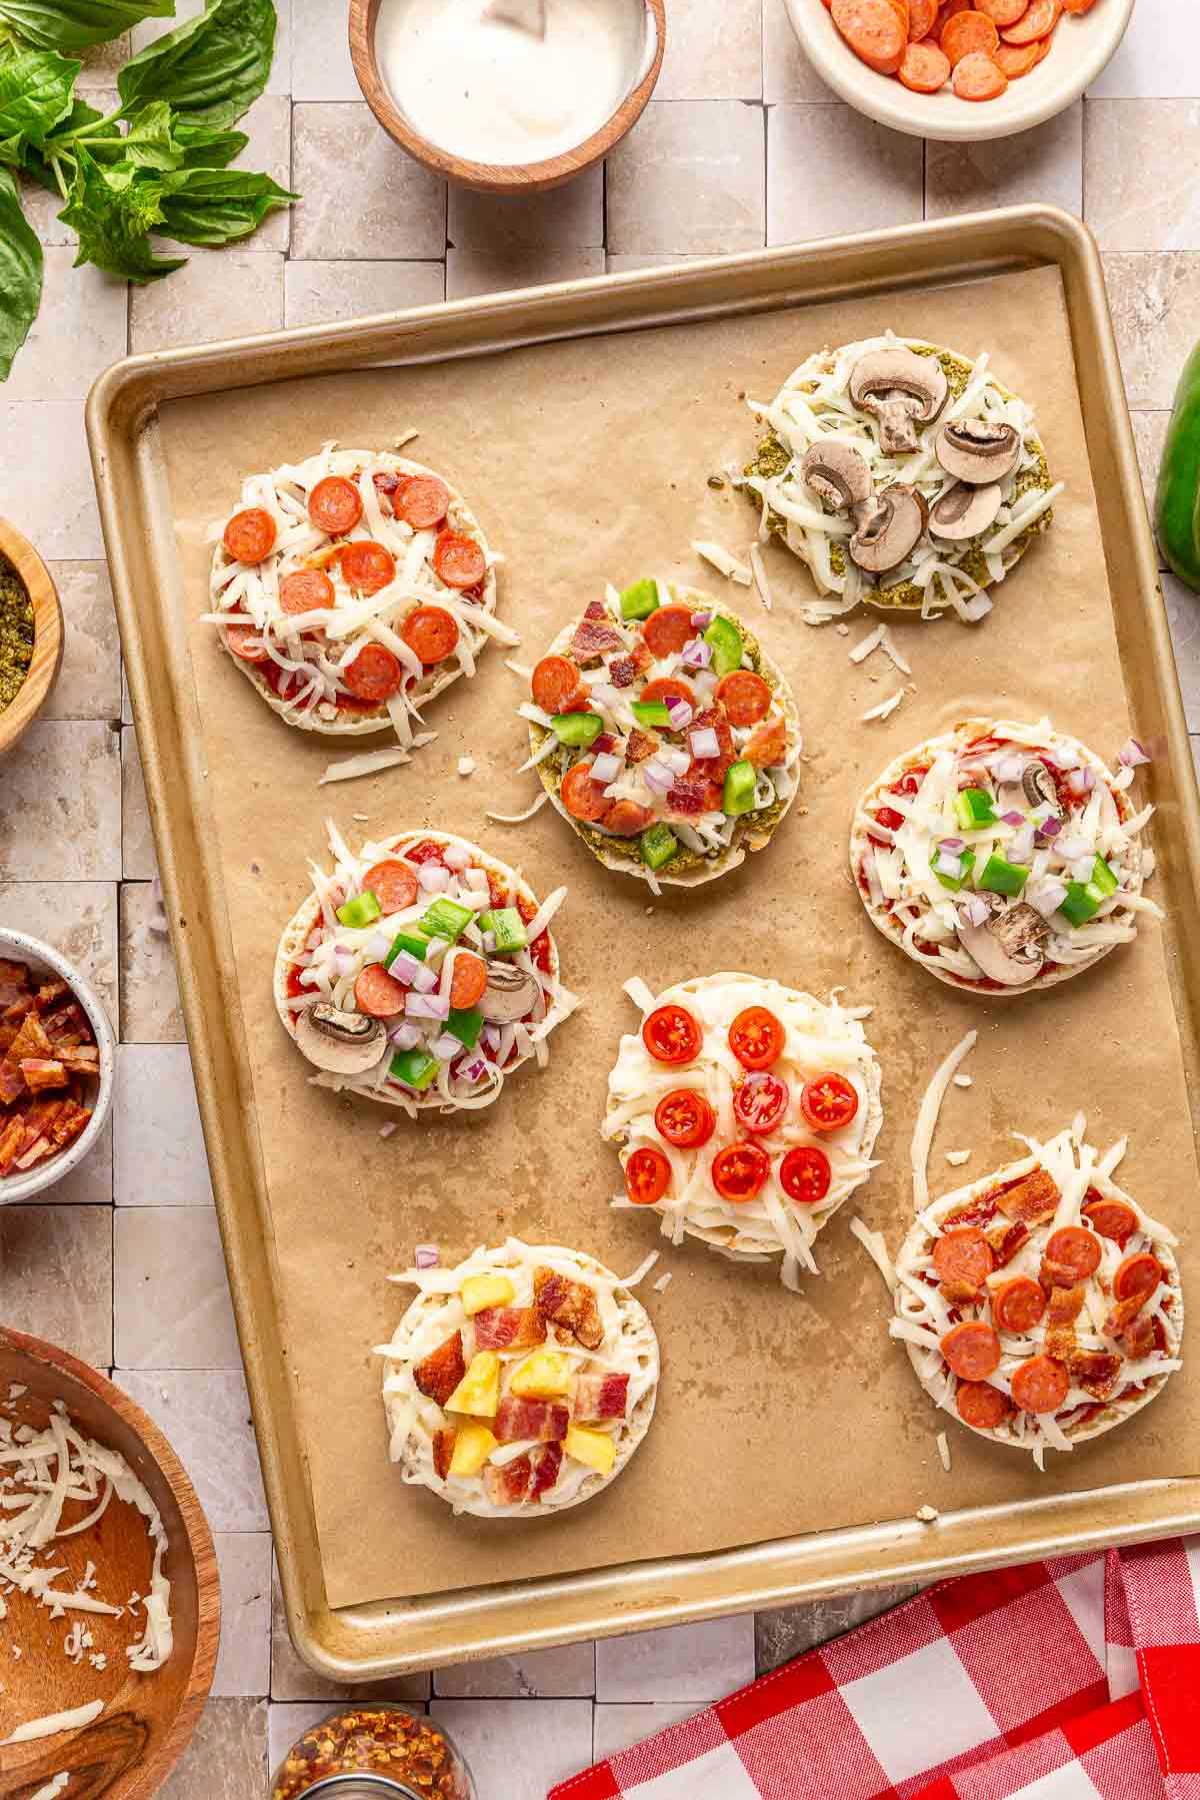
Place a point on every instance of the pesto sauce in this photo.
(16, 633)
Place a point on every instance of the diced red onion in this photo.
(1047, 895)
(489, 942)
(1072, 848)
(606, 768)
(423, 979)
(954, 844)
(344, 961)
(475, 1071)
(705, 744)
(1050, 827)
(427, 1006)
(680, 714)
(1132, 754)
(427, 1256)
(491, 1037)
(696, 654)
(657, 779)
(1081, 782)
(1008, 767)
(1020, 846)
(404, 1036)
(445, 1046)
(405, 967)
(378, 945)
(1013, 818)
(977, 909)
(433, 878)
(456, 856)
(701, 620)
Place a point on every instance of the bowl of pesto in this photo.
(31, 634)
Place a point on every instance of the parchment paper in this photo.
(588, 461)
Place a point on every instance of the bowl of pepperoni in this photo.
(959, 69)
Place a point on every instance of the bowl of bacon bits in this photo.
(959, 69)
(56, 1066)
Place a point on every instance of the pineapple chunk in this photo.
(546, 1375)
(595, 1448)
(479, 1390)
(472, 1447)
(480, 1291)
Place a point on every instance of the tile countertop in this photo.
(122, 1263)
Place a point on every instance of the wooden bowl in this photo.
(47, 634)
(495, 178)
(127, 1752)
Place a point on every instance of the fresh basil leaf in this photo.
(215, 206)
(113, 216)
(74, 24)
(206, 148)
(20, 274)
(150, 141)
(58, 144)
(211, 68)
(35, 94)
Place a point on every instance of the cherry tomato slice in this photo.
(760, 1101)
(756, 1037)
(647, 1176)
(740, 1171)
(685, 1118)
(804, 1175)
(671, 1034)
(828, 1102)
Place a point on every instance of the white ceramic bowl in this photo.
(19, 947)
(1082, 45)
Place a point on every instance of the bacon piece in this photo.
(7, 1034)
(42, 1072)
(640, 745)
(50, 994)
(14, 975)
(12, 1137)
(595, 635)
(546, 1464)
(507, 1484)
(973, 1212)
(19, 1008)
(67, 1026)
(12, 1082)
(80, 1059)
(439, 1373)
(1066, 1304)
(768, 743)
(1140, 1337)
(1122, 1316)
(714, 767)
(69, 1125)
(622, 671)
(545, 1421)
(33, 1151)
(1054, 1274)
(1094, 1370)
(692, 793)
(1005, 1241)
(601, 1396)
(509, 1328)
(570, 1304)
(443, 1450)
(1031, 1200)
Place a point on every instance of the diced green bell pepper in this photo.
(360, 912)
(955, 882)
(741, 781)
(725, 640)
(1177, 499)
(640, 599)
(1085, 898)
(406, 940)
(415, 1068)
(651, 712)
(465, 1023)
(1002, 877)
(577, 729)
(658, 845)
(445, 919)
(973, 809)
(1104, 878)
(507, 927)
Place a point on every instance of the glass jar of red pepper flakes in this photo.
(375, 1752)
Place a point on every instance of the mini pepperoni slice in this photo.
(374, 675)
(1015, 60)
(393, 883)
(1040, 1385)
(981, 1405)
(977, 77)
(468, 980)
(967, 33)
(335, 505)
(555, 681)
(367, 566)
(805, 1174)
(971, 1349)
(1076, 1249)
(379, 994)
(1002, 12)
(625, 818)
(250, 535)
(740, 1171)
(964, 1257)
(925, 69)
(1138, 1274)
(432, 632)
(685, 1118)
(421, 501)
(583, 798)
(671, 1034)
(668, 629)
(458, 561)
(668, 688)
(1113, 1219)
(1037, 21)
(873, 31)
(1018, 1304)
(828, 1102)
(246, 643)
(647, 1176)
(304, 590)
(756, 1038)
(760, 1101)
(745, 697)
(922, 15)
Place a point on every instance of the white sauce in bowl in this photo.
(495, 93)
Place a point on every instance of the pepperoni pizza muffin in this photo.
(1041, 1305)
(745, 1114)
(520, 1382)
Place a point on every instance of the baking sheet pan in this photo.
(314, 1205)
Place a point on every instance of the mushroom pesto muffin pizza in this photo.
(745, 1114)
(420, 972)
(1041, 1305)
(1002, 856)
(520, 1382)
(902, 474)
(664, 733)
(351, 588)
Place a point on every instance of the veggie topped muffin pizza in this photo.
(520, 1382)
(745, 1114)
(1040, 1305)
(352, 587)
(665, 734)
(1003, 857)
(901, 474)
(421, 972)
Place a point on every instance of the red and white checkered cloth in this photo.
(1074, 1679)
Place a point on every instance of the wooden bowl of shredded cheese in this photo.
(110, 1585)
(25, 684)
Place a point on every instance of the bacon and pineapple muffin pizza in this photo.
(1041, 1305)
(664, 733)
(420, 972)
(520, 1382)
(902, 474)
(1003, 857)
(351, 588)
(745, 1114)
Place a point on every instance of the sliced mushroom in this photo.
(976, 452)
(1008, 947)
(837, 474)
(902, 390)
(963, 511)
(889, 530)
(345, 1043)
(1038, 786)
(510, 994)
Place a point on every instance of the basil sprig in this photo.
(211, 68)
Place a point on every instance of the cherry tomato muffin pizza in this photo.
(664, 733)
(901, 474)
(520, 1382)
(420, 972)
(1041, 1306)
(351, 588)
(1003, 857)
(745, 1114)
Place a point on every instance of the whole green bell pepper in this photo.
(1177, 500)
